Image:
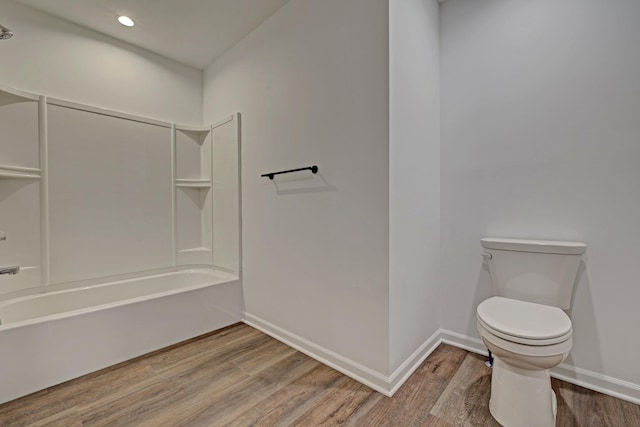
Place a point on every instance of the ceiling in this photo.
(193, 32)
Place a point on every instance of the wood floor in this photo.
(241, 377)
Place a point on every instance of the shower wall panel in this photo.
(110, 187)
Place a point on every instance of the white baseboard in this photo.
(413, 362)
(597, 382)
(455, 339)
(588, 379)
(388, 385)
(358, 372)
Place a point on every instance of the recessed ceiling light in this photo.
(126, 21)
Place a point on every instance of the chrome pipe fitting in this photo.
(12, 271)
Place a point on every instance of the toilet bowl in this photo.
(526, 340)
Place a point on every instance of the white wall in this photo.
(414, 158)
(312, 85)
(540, 138)
(52, 57)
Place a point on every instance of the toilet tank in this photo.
(538, 271)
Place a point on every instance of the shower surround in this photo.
(126, 231)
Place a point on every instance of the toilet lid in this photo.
(524, 319)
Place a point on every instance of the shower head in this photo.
(5, 33)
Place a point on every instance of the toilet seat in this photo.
(523, 341)
(546, 350)
(524, 322)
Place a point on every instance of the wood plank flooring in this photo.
(240, 377)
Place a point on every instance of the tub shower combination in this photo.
(120, 236)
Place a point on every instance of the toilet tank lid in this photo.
(539, 246)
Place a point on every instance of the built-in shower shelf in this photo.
(191, 250)
(196, 133)
(193, 183)
(193, 159)
(196, 129)
(13, 96)
(15, 172)
(195, 256)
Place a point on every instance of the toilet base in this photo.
(521, 397)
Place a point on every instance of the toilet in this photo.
(524, 324)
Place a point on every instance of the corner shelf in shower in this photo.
(12, 96)
(192, 250)
(193, 179)
(195, 256)
(197, 133)
(194, 183)
(16, 172)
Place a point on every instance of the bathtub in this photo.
(52, 337)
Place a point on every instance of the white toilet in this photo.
(524, 325)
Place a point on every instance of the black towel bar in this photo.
(313, 169)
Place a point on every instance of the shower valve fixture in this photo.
(5, 33)
(10, 270)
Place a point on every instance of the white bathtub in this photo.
(52, 337)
